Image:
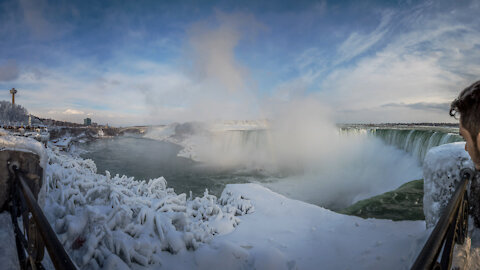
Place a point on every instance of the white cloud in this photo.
(72, 111)
(428, 64)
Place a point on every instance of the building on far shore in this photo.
(87, 122)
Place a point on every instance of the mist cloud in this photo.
(214, 84)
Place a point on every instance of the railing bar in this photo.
(447, 253)
(58, 255)
(426, 258)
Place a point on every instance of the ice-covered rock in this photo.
(441, 172)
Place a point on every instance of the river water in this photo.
(146, 159)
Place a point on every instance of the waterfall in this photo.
(250, 140)
(417, 142)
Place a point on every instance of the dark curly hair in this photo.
(467, 107)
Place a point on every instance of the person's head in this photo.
(467, 107)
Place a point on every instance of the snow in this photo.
(19, 143)
(63, 142)
(441, 172)
(8, 255)
(100, 216)
(288, 234)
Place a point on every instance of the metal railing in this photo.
(39, 233)
(451, 229)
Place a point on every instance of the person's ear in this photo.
(478, 141)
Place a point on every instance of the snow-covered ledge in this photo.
(15, 149)
(441, 169)
(24, 144)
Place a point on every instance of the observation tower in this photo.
(13, 91)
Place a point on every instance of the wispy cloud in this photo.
(423, 106)
(358, 43)
(426, 65)
(9, 70)
(34, 18)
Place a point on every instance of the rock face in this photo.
(441, 172)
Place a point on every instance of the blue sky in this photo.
(151, 62)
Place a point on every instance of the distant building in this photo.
(87, 121)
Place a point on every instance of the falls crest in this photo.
(416, 142)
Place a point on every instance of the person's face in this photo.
(470, 147)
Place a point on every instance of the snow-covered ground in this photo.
(288, 234)
(8, 255)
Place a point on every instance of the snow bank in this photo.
(441, 170)
(288, 234)
(109, 221)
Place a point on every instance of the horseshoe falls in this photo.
(331, 167)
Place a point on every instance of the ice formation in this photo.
(109, 221)
(441, 172)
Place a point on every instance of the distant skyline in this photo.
(155, 62)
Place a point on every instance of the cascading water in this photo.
(416, 142)
(312, 162)
(249, 140)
